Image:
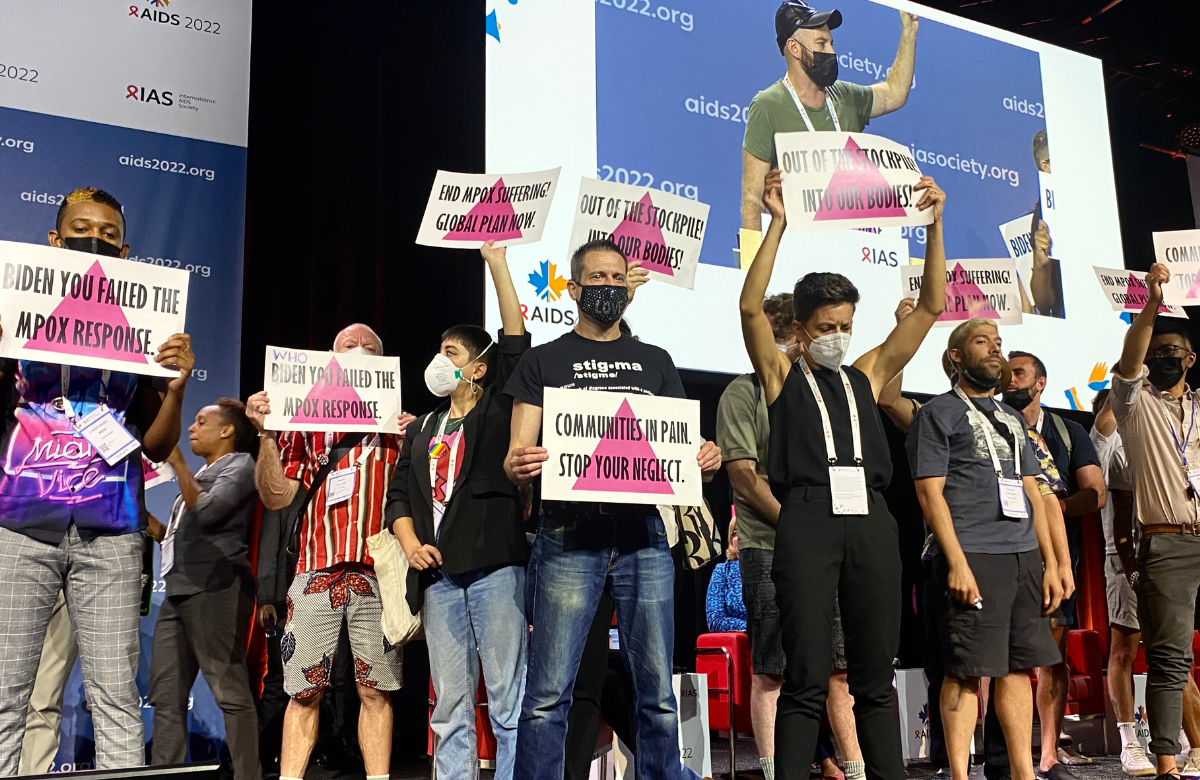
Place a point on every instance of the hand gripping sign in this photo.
(974, 288)
(328, 391)
(848, 180)
(470, 209)
(1179, 250)
(664, 231)
(622, 448)
(1126, 291)
(59, 306)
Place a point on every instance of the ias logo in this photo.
(546, 281)
(151, 95)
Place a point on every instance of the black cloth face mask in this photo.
(980, 382)
(824, 68)
(1165, 372)
(605, 303)
(92, 245)
(1018, 399)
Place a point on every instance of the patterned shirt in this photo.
(335, 534)
(51, 475)
(724, 605)
(1049, 481)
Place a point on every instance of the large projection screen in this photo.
(655, 92)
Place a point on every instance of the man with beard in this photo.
(811, 97)
(1157, 423)
(1077, 462)
(975, 476)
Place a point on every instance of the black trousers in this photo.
(820, 555)
(204, 632)
(935, 671)
(601, 687)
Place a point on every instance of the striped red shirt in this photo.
(332, 535)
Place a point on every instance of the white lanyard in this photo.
(804, 111)
(453, 460)
(367, 450)
(830, 447)
(978, 417)
(167, 560)
(1041, 418)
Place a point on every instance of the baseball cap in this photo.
(796, 14)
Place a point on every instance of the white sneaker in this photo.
(1134, 761)
(1192, 767)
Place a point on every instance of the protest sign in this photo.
(155, 474)
(1046, 196)
(1018, 239)
(1179, 250)
(470, 209)
(848, 180)
(1126, 291)
(974, 288)
(59, 306)
(622, 448)
(327, 391)
(664, 231)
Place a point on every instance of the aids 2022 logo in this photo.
(152, 12)
(549, 286)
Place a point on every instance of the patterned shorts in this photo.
(317, 603)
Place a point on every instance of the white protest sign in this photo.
(662, 230)
(327, 391)
(154, 474)
(59, 306)
(622, 448)
(848, 180)
(974, 288)
(1046, 196)
(1180, 251)
(469, 209)
(1018, 239)
(1126, 291)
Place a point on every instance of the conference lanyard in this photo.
(1041, 419)
(1012, 491)
(435, 456)
(340, 484)
(167, 559)
(63, 403)
(847, 484)
(1192, 475)
(804, 111)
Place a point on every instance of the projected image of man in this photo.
(1045, 295)
(811, 97)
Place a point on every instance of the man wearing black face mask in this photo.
(1077, 462)
(1157, 423)
(583, 549)
(811, 97)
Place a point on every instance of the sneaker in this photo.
(1134, 761)
(1056, 772)
(942, 774)
(1068, 756)
(1192, 768)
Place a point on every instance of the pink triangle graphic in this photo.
(333, 392)
(95, 311)
(1136, 296)
(486, 213)
(857, 179)
(648, 235)
(611, 446)
(960, 286)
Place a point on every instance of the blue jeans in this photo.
(473, 619)
(572, 563)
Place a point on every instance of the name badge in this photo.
(340, 485)
(1194, 481)
(106, 433)
(1012, 498)
(848, 484)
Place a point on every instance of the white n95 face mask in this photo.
(357, 351)
(442, 376)
(829, 351)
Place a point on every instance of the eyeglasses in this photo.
(1168, 351)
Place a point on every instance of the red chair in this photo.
(1085, 686)
(725, 658)
(485, 738)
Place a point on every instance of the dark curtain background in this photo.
(354, 107)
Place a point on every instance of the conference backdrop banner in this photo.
(149, 102)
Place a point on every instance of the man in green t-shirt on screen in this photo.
(810, 97)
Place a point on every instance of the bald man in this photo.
(335, 575)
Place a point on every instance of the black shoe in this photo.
(1057, 772)
(941, 774)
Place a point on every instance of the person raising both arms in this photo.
(835, 537)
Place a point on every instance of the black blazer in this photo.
(484, 522)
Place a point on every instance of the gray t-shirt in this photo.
(946, 440)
